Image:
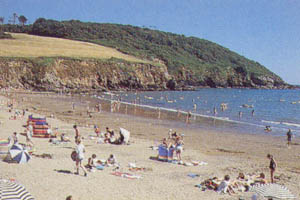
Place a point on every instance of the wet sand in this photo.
(225, 153)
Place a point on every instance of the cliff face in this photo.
(55, 74)
(80, 75)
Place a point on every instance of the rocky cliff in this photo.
(55, 74)
(78, 75)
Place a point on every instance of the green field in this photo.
(24, 45)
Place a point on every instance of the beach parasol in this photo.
(126, 135)
(273, 190)
(19, 154)
(13, 190)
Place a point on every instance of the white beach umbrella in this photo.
(13, 191)
(126, 134)
(273, 190)
(19, 154)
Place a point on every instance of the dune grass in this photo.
(24, 45)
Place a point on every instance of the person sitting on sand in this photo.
(92, 162)
(106, 138)
(261, 179)
(111, 160)
(64, 138)
(112, 138)
(224, 186)
(13, 138)
(165, 143)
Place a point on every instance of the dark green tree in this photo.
(1, 20)
(22, 20)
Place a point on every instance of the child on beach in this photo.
(179, 147)
(79, 157)
(224, 186)
(77, 134)
(111, 160)
(97, 130)
(272, 166)
(92, 162)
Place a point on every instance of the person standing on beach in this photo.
(252, 112)
(80, 150)
(272, 166)
(289, 137)
(77, 134)
(188, 116)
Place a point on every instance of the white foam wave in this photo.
(291, 124)
(270, 122)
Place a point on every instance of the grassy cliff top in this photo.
(24, 45)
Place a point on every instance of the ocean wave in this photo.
(291, 124)
(270, 122)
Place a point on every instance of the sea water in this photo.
(247, 110)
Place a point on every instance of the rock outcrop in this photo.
(79, 75)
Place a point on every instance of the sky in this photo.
(266, 31)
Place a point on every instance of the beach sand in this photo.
(225, 153)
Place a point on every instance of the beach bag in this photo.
(73, 155)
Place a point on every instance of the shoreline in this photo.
(225, 152)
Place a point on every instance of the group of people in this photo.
(93, 162)
(108, 137)
(14, 138)
(174, 142)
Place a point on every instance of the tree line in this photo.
(13, 19)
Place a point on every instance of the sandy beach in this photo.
(224, 153)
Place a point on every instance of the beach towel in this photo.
(100, 167)
(126, 175)
(4, 142)
(165, 154)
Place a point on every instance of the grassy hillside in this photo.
(201, 56)
(24, 45)
(190, 61)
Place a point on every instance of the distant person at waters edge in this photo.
(272, 167)
(79, 157)
(289, 137)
